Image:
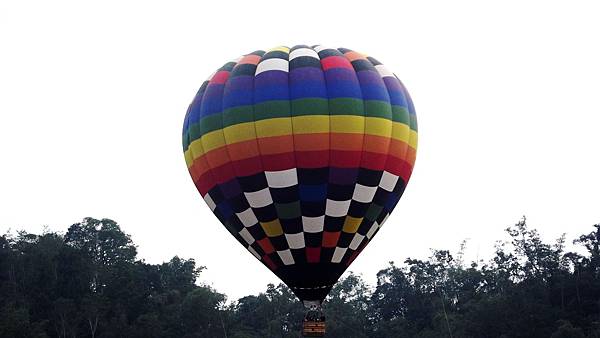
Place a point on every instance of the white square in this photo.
(295, 241)
(259, 199)
(247, 236)
(338, 254)
(313, 224)
(209, 201)
(303, 52)
(337, 208)
(247, 217)
(383, 72)
(286, 257)
(363, 193)
(371, 231)
(388, 181)
(251, 249)
(272, 64)
(358, 238)
(282, 179)
(320, 48)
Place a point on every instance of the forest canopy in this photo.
(89, 282)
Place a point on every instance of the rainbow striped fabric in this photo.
(302, 154)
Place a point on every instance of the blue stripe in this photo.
(307, 82)
(271, 85)
(342, 82)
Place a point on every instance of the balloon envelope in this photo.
(302, 154)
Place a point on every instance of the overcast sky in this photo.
(93, 95)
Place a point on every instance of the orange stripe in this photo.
(243, 150)
(376, 144)
(311, 142)
(411, 156)
(306, 142)
(217, 157)
(199, 167)
(347, 142)
(398, 149)
(276, 144)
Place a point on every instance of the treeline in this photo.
(89, 283)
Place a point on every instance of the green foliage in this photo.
(89, 283)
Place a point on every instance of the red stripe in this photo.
(204, 184)
(312, 159)
(373, 161)
(223, 173)
(345, 159)
(398, 167)
(247, 167)
(335, 62)
(278, 161)
(313, 255)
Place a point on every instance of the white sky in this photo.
(93, 95)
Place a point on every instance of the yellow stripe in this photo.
(347, 124)
(273, 228)
(400, 132)
(414, 139)
(189, 160)
(239, 133)
(351, 224)
(378, 126)
(280, 49)
(196, 149)
(273, 127)
(310, 124)
(213, 140)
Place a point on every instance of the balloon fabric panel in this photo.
(302, 154)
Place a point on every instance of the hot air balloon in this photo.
(302, 153)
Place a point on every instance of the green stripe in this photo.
(413, 122)
(210, 123)
(271, 109)
(376, 108)
(400, 114)
(346, 106)
(299, 107)
(194, 131)
(237, 115)
(310, 106)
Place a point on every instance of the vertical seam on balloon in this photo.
(203, 158)
(258, 147)
(294, 151)
(329, 150)
(262, 167)
(219, 186)
(409, 103)
(367, 240)
(403, 158)
(231, 163)
(289, 102)
(363, 134)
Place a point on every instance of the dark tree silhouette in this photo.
(90, 283)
